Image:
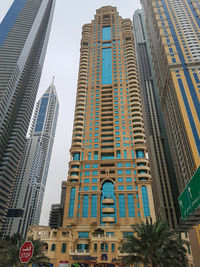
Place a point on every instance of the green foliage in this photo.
(10, 254)
(154, 244)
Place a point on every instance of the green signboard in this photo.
(189, 200)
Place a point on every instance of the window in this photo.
(128, 179)
(85, 206)
(87, 180)
(83, 234)
(63, 247)
(120, 187)
(128, 171)
(71, 202)
(119, 164)
(94, 180)
(87, 166)
(94, 188)
(122, 208)
(89, 155)
(110, 233)
(94, 172)
(95, 247)
(118, 154)
(86, 188)
(120, 180)
(139, 153)
(113, 247)
(87, 173)
(76, 156)
(104, 247)
(94, 206)
(145, 201)
(96, 155)
(129, 187)
(53, 247)
(125, 154)
(119, 171)
(94, 165)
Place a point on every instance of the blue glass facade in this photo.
(10, 18)
(106, 66)
(145, 200)
(71, 202)
(106, 33)
(41, 114)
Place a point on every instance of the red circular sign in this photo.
(26, 252)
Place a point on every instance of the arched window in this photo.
(53, 247)
(104, 247)
(71, 202)
(145, 200)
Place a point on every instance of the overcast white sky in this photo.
(62, 60)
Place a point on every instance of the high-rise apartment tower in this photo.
(109, 180)
(164, 185)
(24, 34)
(27, 198)
(173, 32)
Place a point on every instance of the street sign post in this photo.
(26, 251)
(189, 200)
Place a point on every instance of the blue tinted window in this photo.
(122, 208)
(83, 234)
(87, 180)
(94, 188)
(94, 206)
(86, 188)
(145, 202)
(85, 206)
(131, 210)
(120, 187)
(128, 179)
(71, 203)
(108, 192)
(106, 66)
(139, 154)
(129, 187)
(120, 180)
(106, 33)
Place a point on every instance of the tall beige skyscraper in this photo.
(109, 180)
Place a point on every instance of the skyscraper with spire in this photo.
(24, 34)
(27, 198)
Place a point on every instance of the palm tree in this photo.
(10, 254)
(154, 245)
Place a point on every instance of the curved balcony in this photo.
(108, 210)
(108, 219)
(108, 201)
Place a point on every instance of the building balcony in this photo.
(80, 252)
(108, 210)
(108, 201)
(99, 237)
(108, 219)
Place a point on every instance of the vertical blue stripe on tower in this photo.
(10, 18)
(145, 200)
(106, 69)
(187, 76)
(180, 53)
(106, 33)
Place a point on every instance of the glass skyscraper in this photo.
(27, 198)
(109, 182)
(24, 34)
